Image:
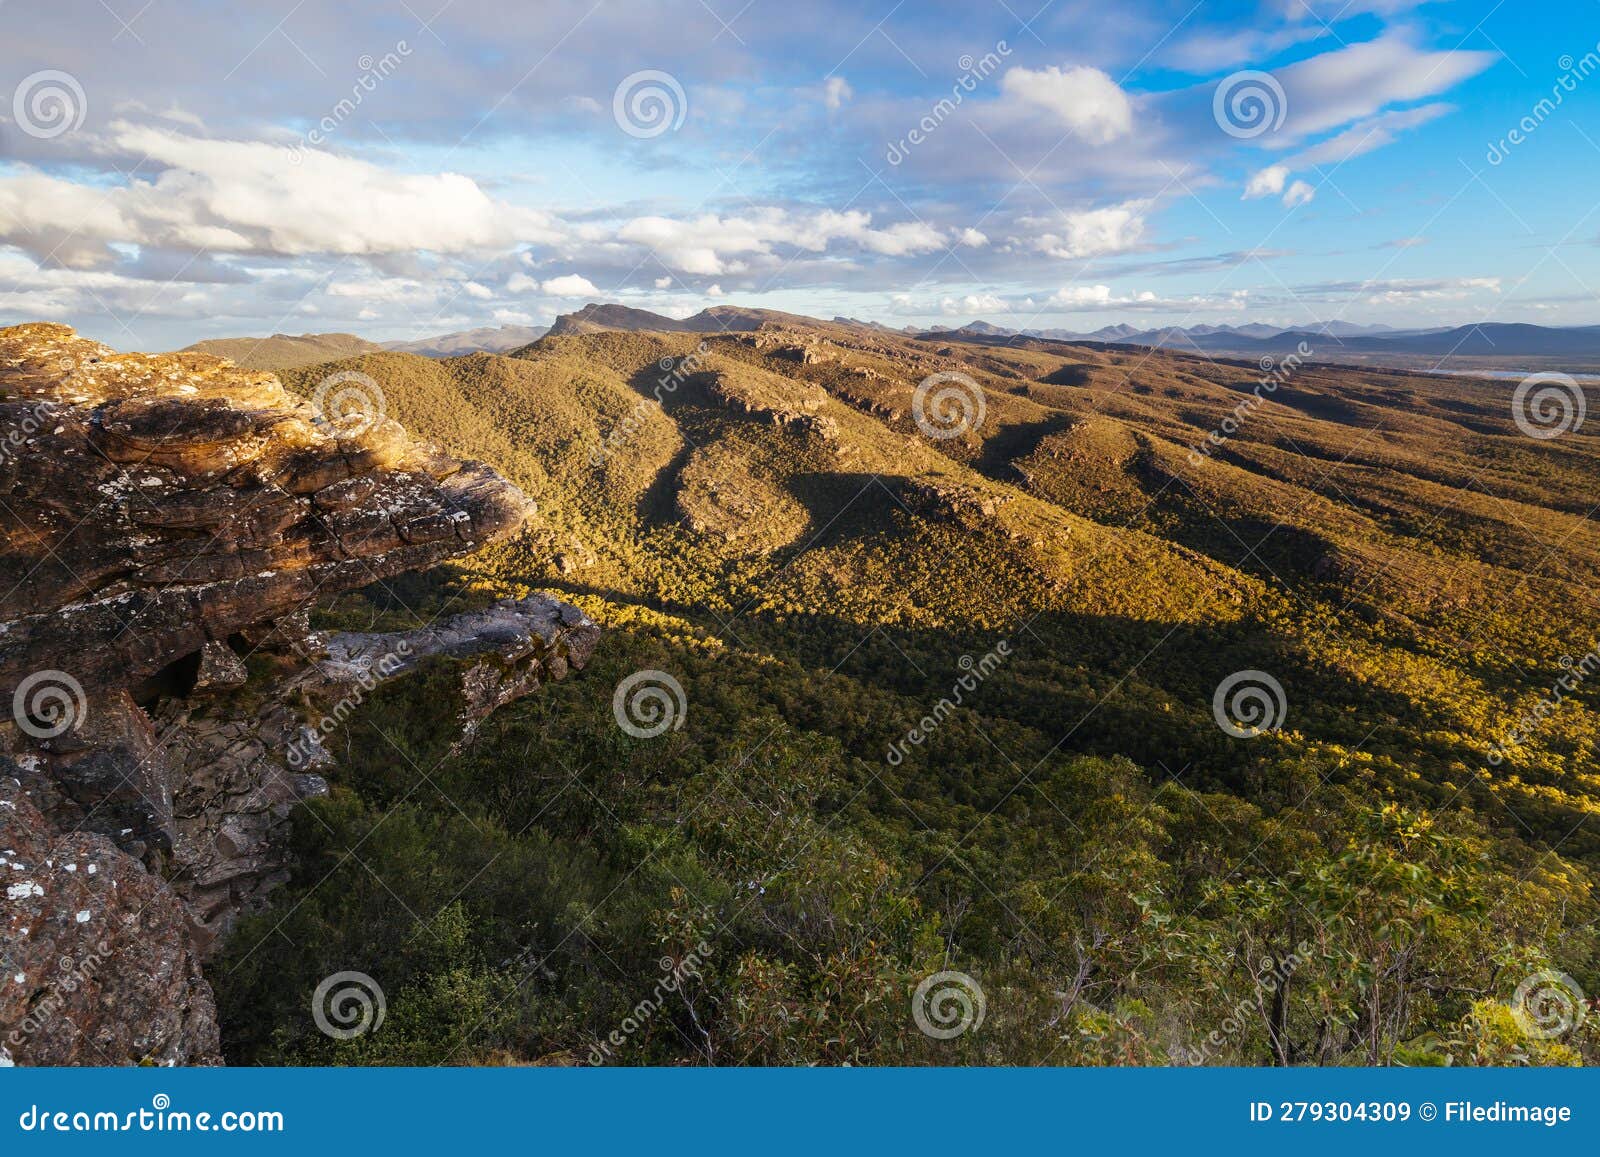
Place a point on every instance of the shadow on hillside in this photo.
(1001, 452)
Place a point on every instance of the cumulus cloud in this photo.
(1090, 233)
(1271, 181)
(1089, 297)
(1084, 99)
(217, 197)
(1299, 193)
(836, 92)
(1082, 295)
(252, 198)
(712, 245)
(1266, 183)
(570, 286)
(973, 304)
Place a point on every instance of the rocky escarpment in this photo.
(166, 523)
(161, 502)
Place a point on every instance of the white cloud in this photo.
(972, 305)
(836, 92)
(1266, 183)
(1090, 233)
(1407, 292)
(1299, 193)
(973, 239)
(571, 285)
(902, 240)
(388, 290)
(249, 197)
(222, 197)
(714, 291)
(710, 245)
(1085, 99)
(1082, 295)
(1090, 297)
(1350, 83)
(1366, 135)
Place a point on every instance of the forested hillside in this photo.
(969, 678)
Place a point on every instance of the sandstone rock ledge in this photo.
(166, 523)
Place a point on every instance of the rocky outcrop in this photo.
(166, 523)
(99, 968)
(161, 502)
(497, 655)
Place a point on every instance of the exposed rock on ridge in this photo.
(165, 523)
(164, 501)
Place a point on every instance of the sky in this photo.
(172, 170)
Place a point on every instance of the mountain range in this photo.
(1332, 341)
(1482, 346)
(286, 351)
(488, 339)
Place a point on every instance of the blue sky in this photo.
(178, 170)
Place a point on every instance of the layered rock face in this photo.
(164, 501)
(166, 523)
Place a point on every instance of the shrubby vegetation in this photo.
(1127, 883)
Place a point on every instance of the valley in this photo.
(758, 513)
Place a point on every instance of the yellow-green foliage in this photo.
(759, 515)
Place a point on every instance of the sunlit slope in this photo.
(1390, 546)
